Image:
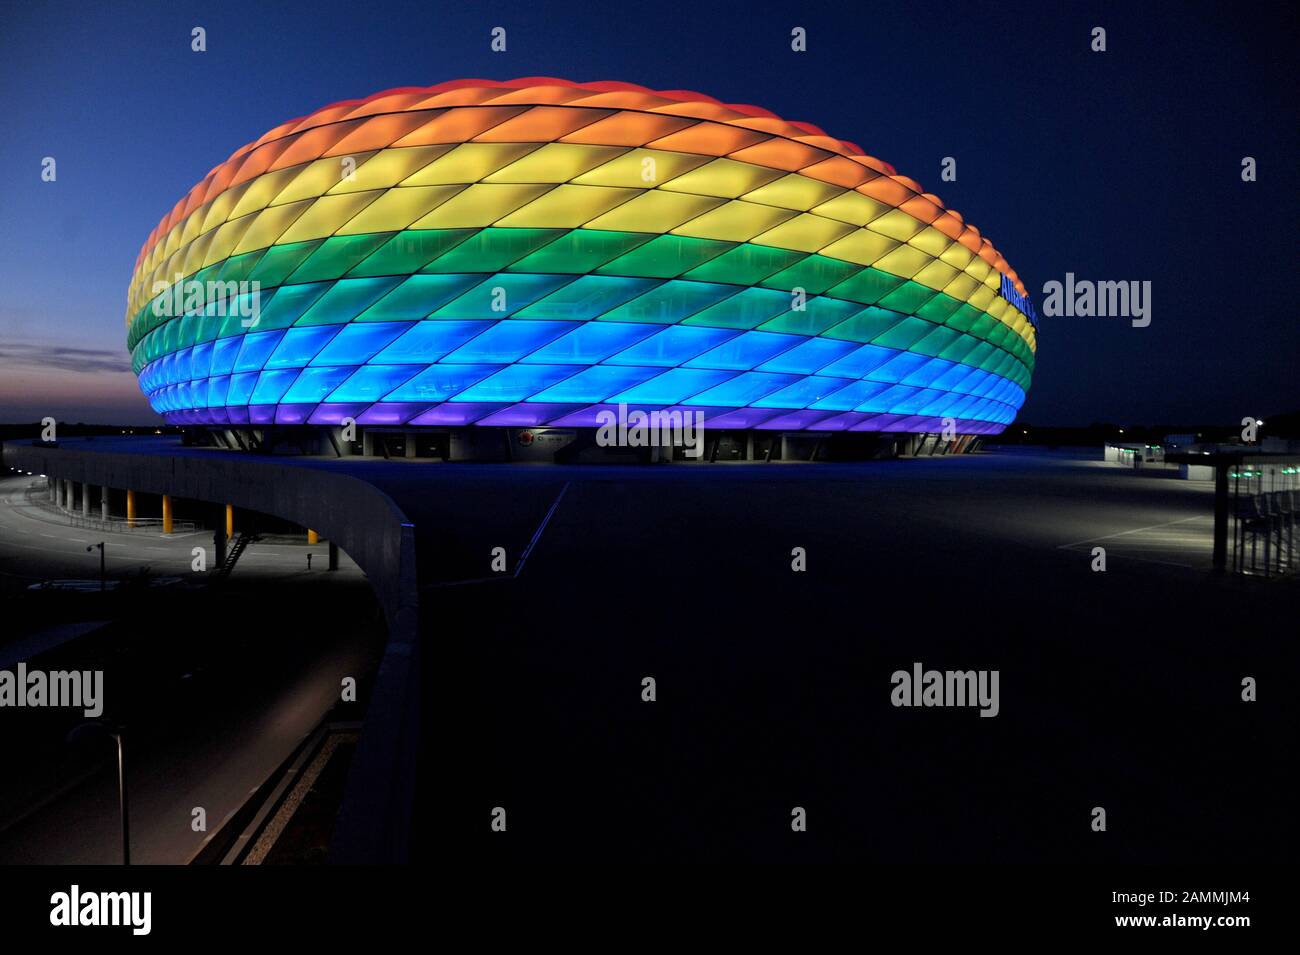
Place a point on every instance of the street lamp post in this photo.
(121, 798)
(100, 545)
(97, 728)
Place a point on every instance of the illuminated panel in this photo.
(528, 252)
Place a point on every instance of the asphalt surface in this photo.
(1119, 689)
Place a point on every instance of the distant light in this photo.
(1260, 422)
(1121, 430)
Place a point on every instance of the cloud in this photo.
(64, 358)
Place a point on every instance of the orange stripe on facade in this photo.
(728, 129)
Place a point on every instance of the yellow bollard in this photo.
(167, 514)
(230, 520)
(312, 537)
(130, 508)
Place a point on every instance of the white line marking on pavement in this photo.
(519, 567)
(1136, 530)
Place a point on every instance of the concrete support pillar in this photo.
(130, 508)
(408, 440)
(345, 447)
(312, 537)
(367, 444)
(334, 556)
(69, 494)
(219, 539)
(1220, 557)
(104, 514)
(749, 445)
(52, 490)
(167, 513)
(230, 520)
(85, 500)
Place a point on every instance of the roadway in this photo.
(208, 722)
(38, 542)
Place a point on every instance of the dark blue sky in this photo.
(1122, 165)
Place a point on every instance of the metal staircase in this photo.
(239, 545)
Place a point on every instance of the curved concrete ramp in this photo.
(373, 824)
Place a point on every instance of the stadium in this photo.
(484, 268)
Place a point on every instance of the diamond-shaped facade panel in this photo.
(531, 252)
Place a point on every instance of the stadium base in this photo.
(577, 445)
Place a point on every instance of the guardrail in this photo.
(37, 496)
(1265, 501)
(239, 835)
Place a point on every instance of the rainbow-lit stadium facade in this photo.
(529, 253)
